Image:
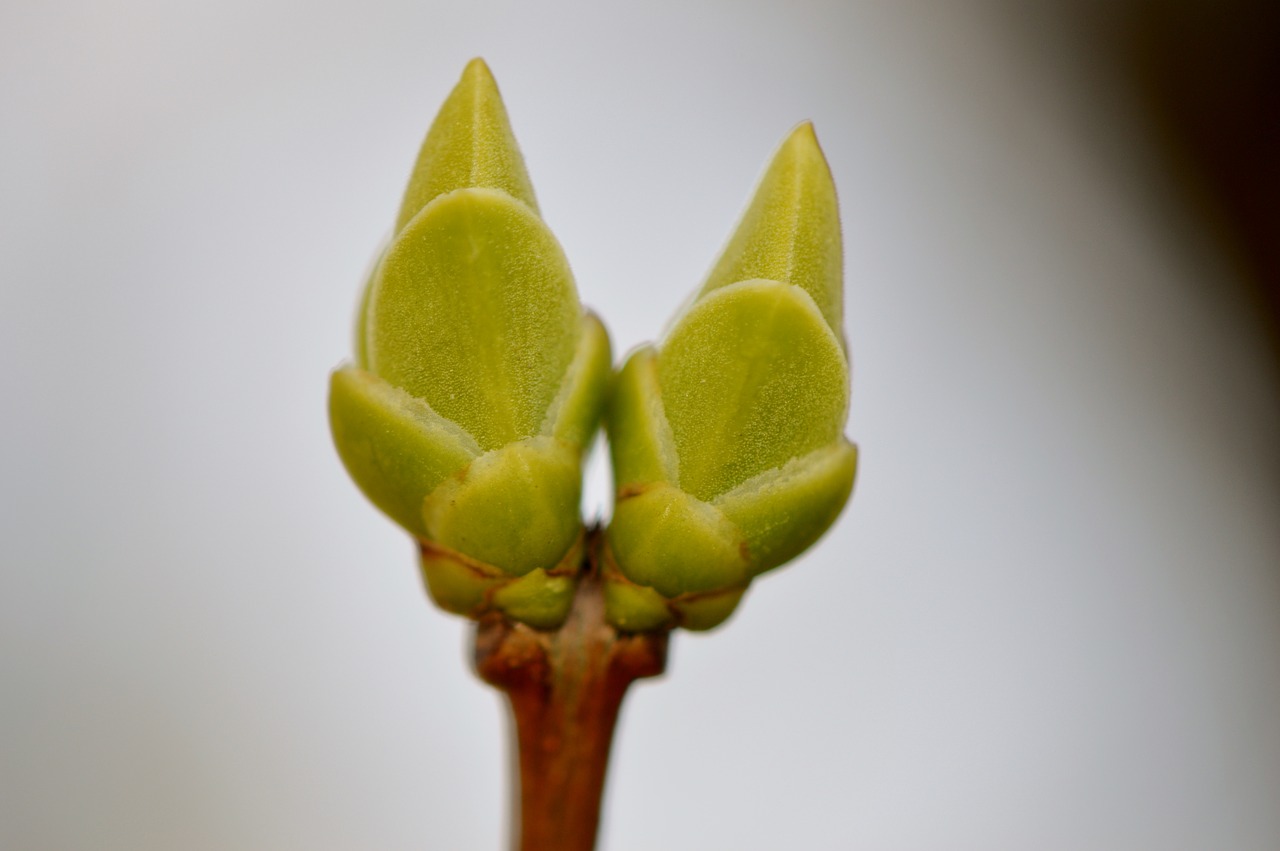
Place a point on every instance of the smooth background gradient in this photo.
(1050, 618)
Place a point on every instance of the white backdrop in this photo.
(1050, 618)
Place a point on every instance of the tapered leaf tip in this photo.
(477, 82)
(804, 134)
(802, 152)
(470, 144)
(478, 70)
(790, 231)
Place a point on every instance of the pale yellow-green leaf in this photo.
(782, 512)
(515, 508)
(791, 230)
(362, 312)
(751, 378)
(474, 311)
(470, 144)
(394, 446)
(458, 584)
(536, 599)
(666, 539)
(640, 439)
(467, 587)
(635, 608)
(706, 611)
(575, 412)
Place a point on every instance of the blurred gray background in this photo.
(1050, 618)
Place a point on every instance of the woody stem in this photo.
(565, 688)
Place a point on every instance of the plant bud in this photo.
(727, 437)
(478, 379)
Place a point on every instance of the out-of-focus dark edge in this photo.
(1202, 78)
(1209, 75)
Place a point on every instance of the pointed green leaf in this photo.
(664, 538)
(474, 311)
(575, 413)
(515, 508)
(791, 230)
(394, 446)
(751, 378)
(640, 439)
(782, 512)
(470, 144)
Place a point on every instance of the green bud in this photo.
(727, 438)
(478, 379)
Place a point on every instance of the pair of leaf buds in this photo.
(479, 381)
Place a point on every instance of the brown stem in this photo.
(565, 689)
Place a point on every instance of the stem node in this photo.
(565, 688)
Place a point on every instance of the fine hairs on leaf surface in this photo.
(479, 380)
